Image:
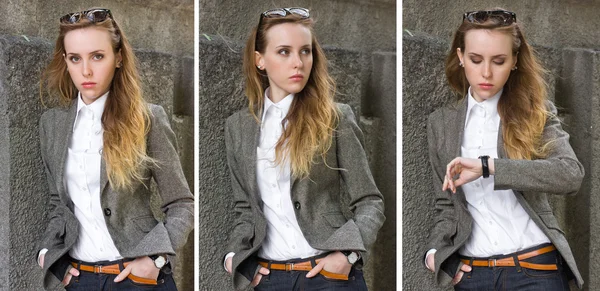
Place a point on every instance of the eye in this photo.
(476, 61)
(74, 59)
(97, 57)
(305, 51)
(283, 52)
(499, 62)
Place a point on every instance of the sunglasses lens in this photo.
(70, 18)
(504, 17)
(302, 12)
(97, 15)
(275, 13)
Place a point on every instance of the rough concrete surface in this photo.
(166, 26)
(222, 94)
(551, 23)
(362, 25)
(573, 81)
(22, 183)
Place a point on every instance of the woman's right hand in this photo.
(263, 271)
(41, 260)
(72, 272)
(228, 264)
(431, 262)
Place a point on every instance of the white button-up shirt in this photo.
(284, 239)
(500, 224)
(82, 180)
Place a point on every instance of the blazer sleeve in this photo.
(243, 231)
(177, 200)
(53, 236)
(366, 202)
(558, 173)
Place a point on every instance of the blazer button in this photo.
(107, 211)
(297, 205)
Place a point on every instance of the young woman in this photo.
(289, 154)
(101, 150)
(496, 154)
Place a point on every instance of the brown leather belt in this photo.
(302, 266)
(113, 270)
(510, 261)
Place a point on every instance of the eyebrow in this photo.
(478, 55)
(91, 53)
(289, 46)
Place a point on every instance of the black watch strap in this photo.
(485, 166)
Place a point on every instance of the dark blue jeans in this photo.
(297, 281)
(518, 278)
(87, 281)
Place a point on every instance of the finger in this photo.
(445, 184)
(316, 269)
(256, 280)
(67, 279)
(74, 272)
(123, 274)
(264, 271)
(466, 268)
(457, 278)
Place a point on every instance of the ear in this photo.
(516, 57)
(460, 55)
(119, 58)
(259, 60)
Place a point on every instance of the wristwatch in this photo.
(484, 166)
(352, 256)
(159, 261)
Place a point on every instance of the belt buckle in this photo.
(289, 267)
(98, 269)
(493, 261)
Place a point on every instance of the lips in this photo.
(88, 85)
(486, 86)
(297, 77)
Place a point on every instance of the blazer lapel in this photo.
(103, 173)
(249, 145)
(456, 134)
(63, 137)
(500, 145)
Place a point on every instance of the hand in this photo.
(228, 264)
(72, 272)
(431, 262)
(141, 267)
(335, 263)
(41, 260)
(261, 272)
(467, 170)
(460, 273)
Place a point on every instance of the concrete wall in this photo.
(574, 86)
(165, 26)
(366, 81)
(164, 47)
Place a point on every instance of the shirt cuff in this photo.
(429, 252)
(229, 255)
(42, 252)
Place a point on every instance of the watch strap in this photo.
(485, 166)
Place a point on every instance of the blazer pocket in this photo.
(335, 220)
(145, 223)
(551, 222)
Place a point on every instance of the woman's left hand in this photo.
(335, 262)
(141, 267)
(467, 170)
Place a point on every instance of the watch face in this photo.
(352, 258)
(160, 262)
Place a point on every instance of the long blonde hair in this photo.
(522, 106)
(313, 114)
(126, 115)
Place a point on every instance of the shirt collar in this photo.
(490, 105)
(283, 105)
(97, 107)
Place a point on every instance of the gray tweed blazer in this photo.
(559, 174)
(316, 198)
(130, 221)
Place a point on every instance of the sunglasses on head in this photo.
(505, 17)
(93, 15)
(281, 13)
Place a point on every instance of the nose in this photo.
(298, 61)
(487, 70)
(87, 69)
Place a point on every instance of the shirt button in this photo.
(100, 151)
(107, 211)
(273, 185)
(293, 247)
(297, 205)
(83, 189)
(490, 222)
(495, 243)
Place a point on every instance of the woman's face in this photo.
(287, 59)
(487, 60)
(91, 61)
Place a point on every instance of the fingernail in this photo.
(469, 268)
(268, 272)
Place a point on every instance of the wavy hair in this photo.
(313, 114)
(522, 106)
(126, 115)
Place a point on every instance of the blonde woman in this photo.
(101, 148)
(290, 153)
(496, 154)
